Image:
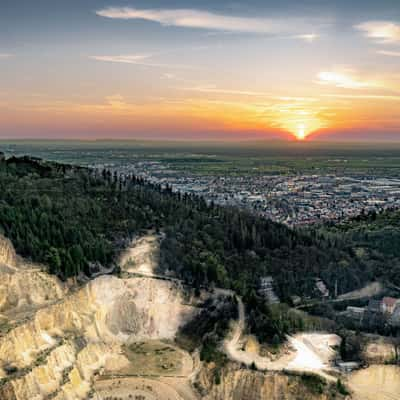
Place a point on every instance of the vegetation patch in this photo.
(153, 358)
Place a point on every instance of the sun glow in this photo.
(301, 132)
(298, 116)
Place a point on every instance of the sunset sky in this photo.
(231, 70)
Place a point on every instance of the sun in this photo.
(301, 132)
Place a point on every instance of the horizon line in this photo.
(204, 141)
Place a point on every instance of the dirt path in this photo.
(141, 259)
(142, 256)
(369, 290)
(232, 347)
(131, 388)
(148, 379)
(304, 356)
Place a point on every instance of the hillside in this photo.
(116, 337)
(76, 221)
(72, 218)
(375, 238)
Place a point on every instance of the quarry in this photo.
(60, 345)
(114, 338)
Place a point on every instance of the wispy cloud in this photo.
(191, 18)
(216, 90)
(345, 79)
(138, 59)
(125, 59)
(389, 53)
(362, 96)
(5, 55)
(297, 99)
(382, 31)
(310, 37)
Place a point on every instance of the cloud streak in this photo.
(216, 90)
(138, 59)
(191, 18)
(382, 31)
(343, 80)
(5, 55)
(310, 37)
(389, 53)
(362, 96)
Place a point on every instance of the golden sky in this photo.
(174, 70)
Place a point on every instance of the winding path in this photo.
(303, 357)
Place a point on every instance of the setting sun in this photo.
(301, 132)
(314, 80)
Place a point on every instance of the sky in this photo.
(203, 70)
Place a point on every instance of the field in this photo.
(156, 358)
(201, 158)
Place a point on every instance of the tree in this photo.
(396, 346)
(53, 259)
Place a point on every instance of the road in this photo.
(302, 356)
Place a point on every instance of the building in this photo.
(296, 300)
(375, 306)
(355, 313)
(266, 289)
(321, 288)
(389, 304)
(395, 318)
(348, 367)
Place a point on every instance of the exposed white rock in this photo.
(23, 284)
(7, 253)
(106, 313)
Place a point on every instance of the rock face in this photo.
(65, 374)
(22, 288)
(377, 382)
(56, 341)
(7, 253)
(378, 350)
(239, 384)
(23, 284)
(104, 314)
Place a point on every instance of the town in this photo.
(385, 311)
(294, 200)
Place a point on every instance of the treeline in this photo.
(234, 249)
(66, 217)
(374, 238)
(70, 217)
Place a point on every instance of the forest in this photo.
(375, 239)
(71, 219)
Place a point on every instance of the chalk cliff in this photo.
(23, 284)
(58, 351)
(237, 384)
